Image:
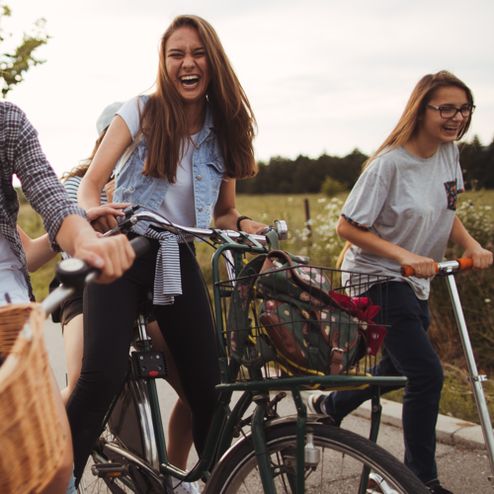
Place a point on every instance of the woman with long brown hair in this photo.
(400, 212)
(193, 139)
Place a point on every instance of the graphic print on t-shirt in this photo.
(451, 194)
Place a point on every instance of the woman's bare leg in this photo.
(73, 340)
(179, 435)
(180, 424)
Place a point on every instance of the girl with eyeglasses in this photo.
(400, 212)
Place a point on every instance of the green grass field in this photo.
(480, 197)
(476, 289)
(265, 208)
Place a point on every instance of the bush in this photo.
(332, 187)
(476, 294)
(318, 239)
(457, 398)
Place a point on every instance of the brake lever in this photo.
(125, 223)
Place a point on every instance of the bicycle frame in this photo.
(225, 421)
(228, 421)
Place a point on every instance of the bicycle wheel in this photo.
(335, 464)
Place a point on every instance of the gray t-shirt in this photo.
(409, 201)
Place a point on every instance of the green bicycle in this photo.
(250, 448)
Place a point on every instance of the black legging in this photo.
(109, 315)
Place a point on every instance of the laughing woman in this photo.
(193, 138)
(402, 211)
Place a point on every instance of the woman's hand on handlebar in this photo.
(253, 227)
(113, 209)
(482, 258)
(112, 256)
(422, 267)
(104, 218)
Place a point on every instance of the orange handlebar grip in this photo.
(407, 270)
(465, 263)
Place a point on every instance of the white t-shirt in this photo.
(176, 206)
(12, 279)
(408, 201)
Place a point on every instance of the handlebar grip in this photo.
(465, 263)
(459, 264)
(407, 270)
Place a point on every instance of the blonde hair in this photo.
(423, 92)
(163, 121)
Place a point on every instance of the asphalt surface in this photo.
(462, 460)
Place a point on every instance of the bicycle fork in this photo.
(260, 446)
(475, 378)
(305, 453)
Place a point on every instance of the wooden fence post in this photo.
(308, 221)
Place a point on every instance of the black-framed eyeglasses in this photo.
(450, 111)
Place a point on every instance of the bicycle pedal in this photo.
(149, 364)
(109, 470)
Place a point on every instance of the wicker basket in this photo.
(32, 433)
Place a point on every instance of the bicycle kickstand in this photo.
(475, 378)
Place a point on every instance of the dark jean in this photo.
(109, 315)
(407, 351)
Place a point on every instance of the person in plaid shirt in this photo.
(65, 222)
(21, 155)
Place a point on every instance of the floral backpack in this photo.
(285, 310)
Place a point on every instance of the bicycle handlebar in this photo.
(443, 267)
(74, 273)
(135, 215)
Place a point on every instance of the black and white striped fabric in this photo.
(167, 277)
(72, 186)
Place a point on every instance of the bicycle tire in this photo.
(342, 456)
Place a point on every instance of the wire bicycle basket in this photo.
(283, 318)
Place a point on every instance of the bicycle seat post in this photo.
(142, 333)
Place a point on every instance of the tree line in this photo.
(309, 175)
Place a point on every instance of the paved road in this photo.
(462, 470)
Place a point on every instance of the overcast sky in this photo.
(321, 75)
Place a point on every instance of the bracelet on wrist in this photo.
(240, 219)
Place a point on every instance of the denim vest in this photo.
(207, 168)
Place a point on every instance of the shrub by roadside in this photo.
(457, 398)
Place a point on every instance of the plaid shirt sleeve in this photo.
(38, 180)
